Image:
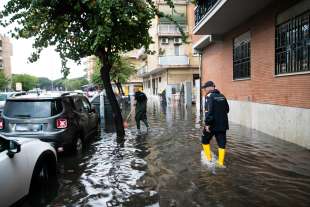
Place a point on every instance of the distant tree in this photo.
(70, 84)
(104, 28)
(59, 84)
(29, 82)
(75, 84)
(120, 73)
(45, 83)
(4, 81)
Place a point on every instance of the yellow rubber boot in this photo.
(221, 157)
(207, 151)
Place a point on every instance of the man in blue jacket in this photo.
(216, 121)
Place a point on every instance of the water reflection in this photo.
(164, 168)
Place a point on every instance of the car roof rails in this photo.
(71, 93)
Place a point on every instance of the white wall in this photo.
(287, 123)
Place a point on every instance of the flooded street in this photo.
(165, 168)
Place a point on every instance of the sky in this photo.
(49, 64)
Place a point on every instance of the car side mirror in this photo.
(13, 148)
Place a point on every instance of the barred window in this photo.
(293, 45)
(242, 56)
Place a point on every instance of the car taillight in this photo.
(61, 123)
(1, 123)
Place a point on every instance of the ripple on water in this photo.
(166, 168)
(117, 168)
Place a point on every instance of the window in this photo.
(32, 109)
(78, 104)
(176, 50)
(241, 56)
(56, 107)
(86, 105)
(81, 104)
(293, 45)
(159, 79)
(195, 77)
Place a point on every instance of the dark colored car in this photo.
(65, 120)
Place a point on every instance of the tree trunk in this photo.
(118, 119)
(119, 87)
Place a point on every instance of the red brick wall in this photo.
(263, 87)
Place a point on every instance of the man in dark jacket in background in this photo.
(216, 121)
(141, 105)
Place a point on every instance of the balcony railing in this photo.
(202, 8)
(170, 30)
(142, 71)
(174, 1)
(174, 60)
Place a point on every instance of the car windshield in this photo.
(32, 109)
(3, 97)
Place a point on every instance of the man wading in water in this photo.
(216, 121)
(141, 104)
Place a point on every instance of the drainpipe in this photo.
(167, 76)
(200, 79)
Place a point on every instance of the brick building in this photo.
(258, 55)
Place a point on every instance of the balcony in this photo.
(203, 7)
(170, 30)
(173, 60)
(217, 17)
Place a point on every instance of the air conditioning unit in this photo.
(177, 41)
(164, 41)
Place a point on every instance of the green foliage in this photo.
(4, 81)
(78, 29)
(28, 81)
(120, 72)
(70, 84)
(45, 83)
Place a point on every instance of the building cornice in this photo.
(168, 67)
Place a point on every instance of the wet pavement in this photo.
(165, 168)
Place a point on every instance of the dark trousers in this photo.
(141, 116)
(220, 138)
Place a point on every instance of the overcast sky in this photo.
(49, 64)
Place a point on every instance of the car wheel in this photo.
(43, 173)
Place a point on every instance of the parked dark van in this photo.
(65, 120)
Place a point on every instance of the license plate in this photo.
(28, 127)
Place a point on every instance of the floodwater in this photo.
(165, 168)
